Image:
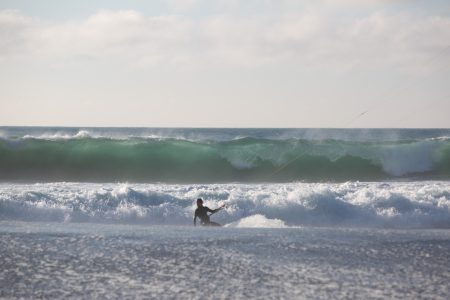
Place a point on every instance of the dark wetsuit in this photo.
(202, 214)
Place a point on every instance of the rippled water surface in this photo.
(59, 260)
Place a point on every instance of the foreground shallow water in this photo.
(85, 260)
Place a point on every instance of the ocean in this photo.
(309, 213)
(152, 155)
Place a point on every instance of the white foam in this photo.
(378, 204)
(81, 134)
(257, 221)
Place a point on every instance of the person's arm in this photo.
(210, 210)
(214, 210)
(195, 218)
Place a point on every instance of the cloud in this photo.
(309, 39)
(16, 33)
(182, 5)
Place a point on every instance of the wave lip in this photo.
(82, 134)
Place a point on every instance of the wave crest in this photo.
(248, 159)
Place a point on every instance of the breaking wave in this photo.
(81, 157)
(387, 205)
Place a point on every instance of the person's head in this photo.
(199, 202)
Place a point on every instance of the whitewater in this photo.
(309, 213)
(370, 204)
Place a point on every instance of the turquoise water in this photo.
(222, 155)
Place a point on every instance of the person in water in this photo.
(202, 213)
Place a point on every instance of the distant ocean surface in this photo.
(385, 178)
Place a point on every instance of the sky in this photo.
(225, 63)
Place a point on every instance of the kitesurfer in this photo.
(202, 213)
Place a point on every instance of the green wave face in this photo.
(243, 160)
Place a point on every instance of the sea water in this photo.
(310, 213)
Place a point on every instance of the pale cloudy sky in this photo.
(225, 63)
